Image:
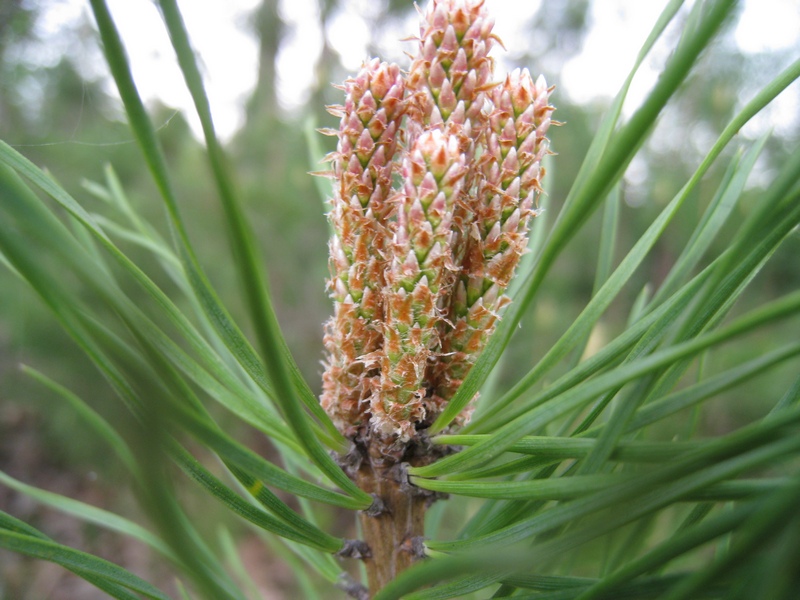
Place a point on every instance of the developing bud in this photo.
(418, 271)
(433, 176)
(453, 66)
(362, 167)
(511, 175)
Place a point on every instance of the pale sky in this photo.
(228, 53)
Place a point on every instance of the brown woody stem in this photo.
(394, 531)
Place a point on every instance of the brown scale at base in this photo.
(394, 527)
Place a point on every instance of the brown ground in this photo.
(23, 457)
